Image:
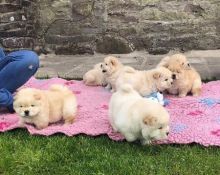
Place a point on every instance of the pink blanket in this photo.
(192, 119)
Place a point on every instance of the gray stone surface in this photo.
(122, 26)
(17, 24)
(109, 26)
(74, 66)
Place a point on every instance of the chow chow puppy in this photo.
(95, 76)
(146, 82)
(136, 117)
(186, 78)
(41, 107)
(112, 68)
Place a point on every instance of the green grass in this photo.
(21, 153)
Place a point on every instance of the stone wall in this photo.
(17, 24)
(117, 26)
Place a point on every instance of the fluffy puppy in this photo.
(41, 107)
(146, 82)
(186, 78)
(112, 68)
(95, 76)
(176, 59)
(136, 117)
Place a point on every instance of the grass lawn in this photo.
(21, 153)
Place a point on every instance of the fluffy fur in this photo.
(112, 68)
(176, 59)
(146, 82)
(186, 78)
(95, 76)
(136, 117)
(41, 107)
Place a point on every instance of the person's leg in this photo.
(18, 67)
(2, 54)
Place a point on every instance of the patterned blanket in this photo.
(193, 119)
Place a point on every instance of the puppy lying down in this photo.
(41, 107)
(95, 76)
(136, 117)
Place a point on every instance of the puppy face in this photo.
(111, 65)
(158, 126)
(99, 66)
(27, 103)
(177, 71)
(163, 77)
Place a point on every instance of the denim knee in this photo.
(31, 60)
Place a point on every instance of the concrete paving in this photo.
(74, 66)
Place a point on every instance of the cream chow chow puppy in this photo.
(136, 117)
(146, 82)
(95, 76)
(186, 78)
(112, 68)
(41, 107)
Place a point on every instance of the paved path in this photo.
(74, 66)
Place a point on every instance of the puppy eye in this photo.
(32, 105)
(106, 64)
(101, 65)
(166, 79)
(160, 127)
(21, 106)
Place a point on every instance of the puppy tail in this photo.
(126, 88)
(61, 88)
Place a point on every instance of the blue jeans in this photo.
(16, 69)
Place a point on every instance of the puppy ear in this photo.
(15, 97)
(150, 120)
(114, 61)
(37, 96)
(188, 66)
(157, 75)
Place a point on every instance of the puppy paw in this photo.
(21, 124)
(196, 92)
(182, 95)
(69, 120)
(41, 126)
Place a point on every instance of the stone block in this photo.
(19, 42)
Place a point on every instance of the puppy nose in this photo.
(103, 71)
(167, 133)
(174, 76)
(26, 112)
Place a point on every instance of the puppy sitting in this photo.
(95, 76)
(186, 78)
(146, 82)
(112, 68)
(41, 107)
(136, 117)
